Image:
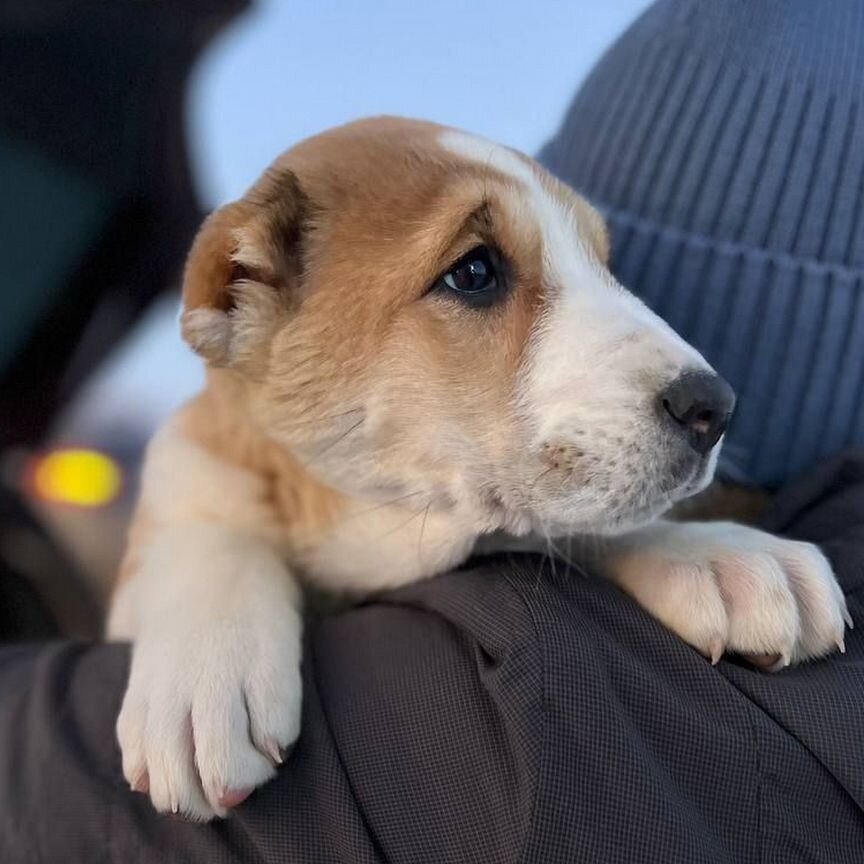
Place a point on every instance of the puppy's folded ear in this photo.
(241, 269)
(596, 231)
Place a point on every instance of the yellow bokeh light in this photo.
(76, 476)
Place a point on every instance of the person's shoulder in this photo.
(433, 699)
(476, 612)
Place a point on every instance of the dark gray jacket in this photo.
(508, 713)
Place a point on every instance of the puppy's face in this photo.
(423, 316)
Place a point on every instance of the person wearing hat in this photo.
(519, 712)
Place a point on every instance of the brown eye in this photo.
(474, 279)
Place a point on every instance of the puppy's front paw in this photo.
(206, 719)
(214, 689)
(724, 587)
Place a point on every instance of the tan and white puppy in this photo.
(413, 342)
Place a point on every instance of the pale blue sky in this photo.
(505, 69)
(500, 68)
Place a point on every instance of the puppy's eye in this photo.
(474, 278)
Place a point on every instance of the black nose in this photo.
(700, 404)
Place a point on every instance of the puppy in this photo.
(413, 342)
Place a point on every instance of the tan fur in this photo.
(328, 339)
(304, 506)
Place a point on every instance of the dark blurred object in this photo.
(98, 206)
(23, 615)
(97, 211)
(25, 550)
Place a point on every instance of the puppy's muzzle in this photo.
(698, 405)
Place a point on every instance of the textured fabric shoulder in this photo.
(433, 696)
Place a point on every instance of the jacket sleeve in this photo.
(826, 506)
(401, 704)
(820, 705)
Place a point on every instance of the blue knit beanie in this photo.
(724, 141)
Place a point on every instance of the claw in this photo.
(175, 807)
(782, 663)
(274, 751)
(231, 798)
(765, 662)
(841, 645)
(848, 619)
(716, 650)
(141, 783)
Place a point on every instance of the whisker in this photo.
(420, 539)
(543, 560)
(325, 418)
(339, 439)
(404, 524)
(550, 555)
(563, 555)
(381, 506)
(540, 573)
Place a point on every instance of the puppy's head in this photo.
(420, 314)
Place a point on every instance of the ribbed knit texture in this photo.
(724, 141)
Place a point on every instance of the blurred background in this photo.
(121, 124)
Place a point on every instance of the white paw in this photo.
(214, 690)
(723, 587)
